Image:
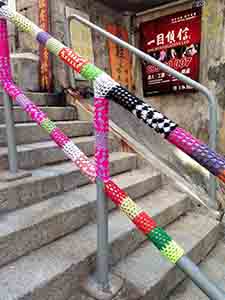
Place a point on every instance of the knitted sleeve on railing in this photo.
(106, 87)
(139, 217)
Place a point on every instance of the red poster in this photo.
(45, 62)
(175, 41)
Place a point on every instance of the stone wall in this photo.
(99, 13)
(191, 110)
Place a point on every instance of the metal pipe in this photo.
(11, 137)
(212, 101)
(102, 272)
(209, 288)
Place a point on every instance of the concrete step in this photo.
(30, 132)
(149, 275)
(42, 99)
(49, 181)
(66, 113)
(213, 267)
(32, 227)
(31, 156)
(56, 270)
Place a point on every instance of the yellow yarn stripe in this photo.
(173, 251)
(130, 208)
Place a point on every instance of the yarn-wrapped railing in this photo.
(105, 87)
(141, 219)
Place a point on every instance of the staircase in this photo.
(47, 221)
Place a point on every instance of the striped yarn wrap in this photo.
(105, 87)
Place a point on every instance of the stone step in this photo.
(149, 275)
(50, 181)
(42, 99)
(213, 267)
(56, 270)
(32, 227)
(54, 113)
(31, 156)
(30, 132)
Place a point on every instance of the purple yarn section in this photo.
(23, 101)
(197, 150)
(43, 37)
(102, 139)
(209, 159)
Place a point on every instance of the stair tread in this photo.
(46, 264)
(30, 228)
(32, 215)
(41, 99)
(34, 133)
(36, 155)
(146, 270)
(212, 266)
(59, 169)
(45, 144)
(57, 123)
(51, 180)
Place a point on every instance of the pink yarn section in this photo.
(184, 140)
(5, 71)
(72, 152)
(35, 113)
(101, 130)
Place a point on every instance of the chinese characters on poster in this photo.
(175, 41)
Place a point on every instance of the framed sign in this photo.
(173, 40)
(81, 37)
(45, 60)
(119, 57)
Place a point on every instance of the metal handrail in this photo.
(11, 134)
(212, 101)
(166, 245)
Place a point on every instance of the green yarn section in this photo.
(159, 238)
(54, 46)
(90, 72)
(173, 252)
(48, 125)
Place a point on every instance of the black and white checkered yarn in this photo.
(142, 110)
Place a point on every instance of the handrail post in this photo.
(212, 101)
(102, 265)
(11, 136)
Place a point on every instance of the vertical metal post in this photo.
(11, 137)
(210, 289)
(102, 238)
